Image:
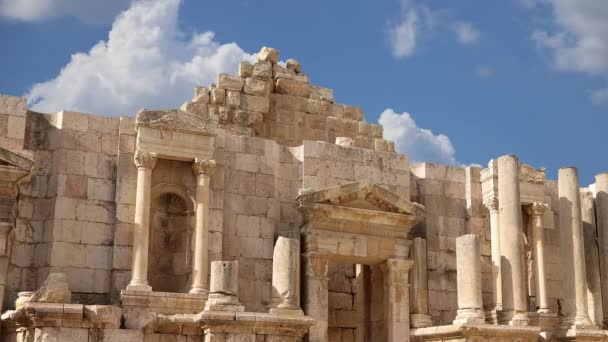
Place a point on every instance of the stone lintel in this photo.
(475, 332)
(163, 302)
(254, 322)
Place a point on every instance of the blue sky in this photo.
(458, 82)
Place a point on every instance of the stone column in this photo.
(468, 280)
(419, 294)
(601, 209)
(592, 261)
(514, 304)
(396, 299)
(492, 206)
(224, 289)
(144, 161)
(203, 169)
(536, 211)
(286, 277)
(573, 251)
(316, 298)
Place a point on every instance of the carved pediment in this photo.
(364, 195)
(175, 120)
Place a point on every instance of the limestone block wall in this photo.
(18, 269)
(79, 234)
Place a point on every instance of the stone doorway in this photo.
(171, 233)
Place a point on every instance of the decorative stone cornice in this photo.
(174, 120)
(203, 166)
(537, 209)
(144, 159)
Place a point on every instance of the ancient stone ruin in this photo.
(262, 210)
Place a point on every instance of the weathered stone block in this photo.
(262, 69)
(255, 103)
(291, 87)
(230, 82)
(256, 86)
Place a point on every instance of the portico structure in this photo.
(360, 223)
(523, 187)
(177, 136)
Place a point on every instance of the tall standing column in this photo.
(601, 209)
(316, 297)
(419, 290)
(200, 265)
(396, 299)
(144, 161)
(468, 280)
(492, 206)
(511, 243)
(537, 211)
(571, 234)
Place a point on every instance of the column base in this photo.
(492, 316)
(514, 318)
(199, 291)
(138, 287)
(420, 321)
(222, 302)
(470, 316)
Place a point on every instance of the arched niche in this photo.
(171, 234)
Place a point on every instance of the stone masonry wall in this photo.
(267, 100)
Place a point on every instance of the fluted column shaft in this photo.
(200, 265)
(144, 161)
(537, 211)
(571, 229)
(495, 249)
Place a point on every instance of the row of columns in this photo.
(203, 169)
(507, 247)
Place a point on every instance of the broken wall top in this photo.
(270, 101)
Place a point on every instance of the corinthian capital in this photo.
(537, 209)
(145, 159)
(491, 203)
(203, 166)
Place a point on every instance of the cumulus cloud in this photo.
(577, 38)
(420, 144)
(37, 10)
(466, 33)
(143, 63)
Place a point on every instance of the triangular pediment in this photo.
(15, 160)
(364, 195)
(175, 120)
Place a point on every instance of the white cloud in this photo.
(466, 33)
(143, 63)
(577, 38)
(36, 10)
(419, 23)
(403, 35)
(599, 96)
(484, 71)
(420, 144)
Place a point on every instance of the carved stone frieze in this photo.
(174, 120)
